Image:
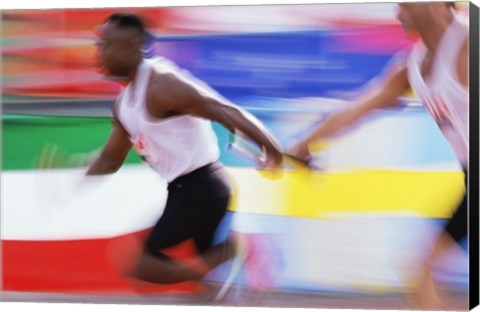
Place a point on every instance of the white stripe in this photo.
(44, 205)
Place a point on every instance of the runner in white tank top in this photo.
(167, 144)
(437, 71)
(165, 113)
(445, 98)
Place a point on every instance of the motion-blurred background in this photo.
(359, 227)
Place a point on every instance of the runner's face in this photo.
(112, 55)
(412, 15)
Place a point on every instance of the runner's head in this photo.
(419, 16)
(121, 41)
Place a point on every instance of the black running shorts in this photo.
(196, 204)
(458, 224)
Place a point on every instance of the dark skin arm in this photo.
(171, 94)
(114, 152)
(395, 85)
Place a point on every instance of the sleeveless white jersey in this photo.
(173, 146)
(445, 98)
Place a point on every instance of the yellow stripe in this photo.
(301, 193)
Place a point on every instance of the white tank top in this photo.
(445, 98)
(173, 146)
